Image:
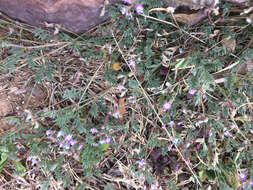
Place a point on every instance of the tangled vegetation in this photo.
(140, 102)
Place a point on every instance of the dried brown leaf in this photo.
(229, 43)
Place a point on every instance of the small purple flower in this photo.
(72, 142)
(191, 93)
(242, 176)
(166, 106)
(169, 147)
(93, 130)
(61, 144)
(251, 183)
(48, 132)
(141, 163)
(68, 137)
(126, 1)
(153, 187)
(179, 123)
(132, 64)
(204, 96)
(139, 8)
(107, 140)
(227, 133)
(121, 87)
(80, 147)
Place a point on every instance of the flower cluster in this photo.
(68, 141)
(65, 140)
(141, 163)
(125, 10)
(107, 140)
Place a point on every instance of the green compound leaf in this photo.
(20, 169)
(104, 147)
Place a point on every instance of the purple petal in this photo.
(166, 106)
(68, 137)
(191, 93)
(131, 63)
(139, 8)
(48, 132)
(107, 140)
(93, 130)
(242, 176)
(227, 133)
(153, 187)
(141, 163)
(80, 147)
(72, 142)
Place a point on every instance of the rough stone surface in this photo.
(74, 15)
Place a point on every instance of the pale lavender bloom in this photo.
(80, 147)
(132, 64)
(251, 183)
(48, 132)
(139, 8)
(166, 106)
(244, 184)
(107, 140)
(72, 142)
(126, 1)
(121, 87)
(93, 130)
(68, 137)
(169, 147)
(141, 163)
(62, 144)
(227, 133)
(242, 176)
(153, 187)
(59, 134)
(191, 93)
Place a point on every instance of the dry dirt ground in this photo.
(18, 95)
